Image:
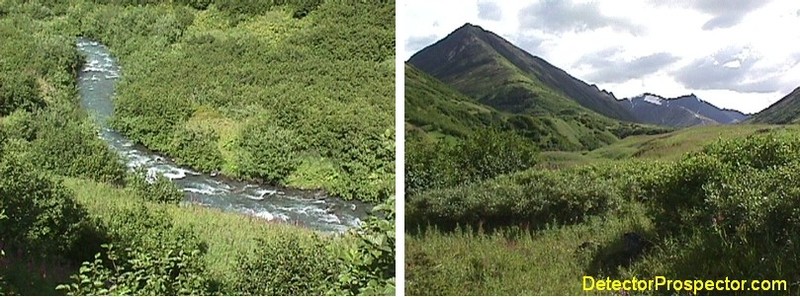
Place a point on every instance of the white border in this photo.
(400, 149)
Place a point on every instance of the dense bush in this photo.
(198, 148)
(18, 91)
(490, 153)
(531, 199)
(287, 266)
(39, 99)
(137, 271)
(70, 148)
(483, 155)
(270, 151)
(153, 188)
(701, 188)
(428, 165)
(42, 216)
(20, 124)
(369, 268)
(148, 256)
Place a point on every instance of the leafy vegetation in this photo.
(725, 210)
(241, 99)
(207, 82)
(151, 257)
(368, 267)
(435, 164)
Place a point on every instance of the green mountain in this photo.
(785, 111)
(485, 66)
(474, 78)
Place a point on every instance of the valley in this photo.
(577, 182)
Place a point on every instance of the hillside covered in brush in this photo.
(296, 93)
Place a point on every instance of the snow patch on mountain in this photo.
(653, 99)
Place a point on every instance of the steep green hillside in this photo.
(485, 66)
(785, 111)
(437, 108)
(453, 139)
(440, 110)
(532, 97)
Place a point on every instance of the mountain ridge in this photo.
(484, 52)
(681, 111)
(463, 81)
(784, 111)
(491, 70)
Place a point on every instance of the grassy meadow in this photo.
(698, 203)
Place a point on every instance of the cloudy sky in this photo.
(740, 54)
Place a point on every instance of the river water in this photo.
(312, 209)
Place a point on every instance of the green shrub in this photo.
(69, 147)
(148, 256)
(161, 190)
(678, 194)
(730, 210)
(197, 149)
(20, 124)
(759, 151)
(18, 91)
(136, 271)
(682, 194)
(489, 153)
(483, 155)
(428, 166)
(748, 205)
(531, 199)
(369, 268)
(270, 151)
(286, 266)
(42, 215)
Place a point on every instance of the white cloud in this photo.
(489, 11)
(657, 43)
(563, 16)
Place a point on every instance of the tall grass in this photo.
(227, 234)
(727, 210)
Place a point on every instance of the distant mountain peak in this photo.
(685, 110)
